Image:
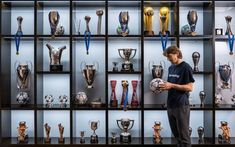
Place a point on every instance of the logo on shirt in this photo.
(174, 75)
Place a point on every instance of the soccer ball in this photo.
(63, 99)
(22, 98)
(154, 85)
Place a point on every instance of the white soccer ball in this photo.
(154, 85)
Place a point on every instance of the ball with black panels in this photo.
(155, 85)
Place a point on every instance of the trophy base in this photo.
(223, 140)
(113, 103)
(94, 139)
(61, 140)
(113, 140)
(127, 67)
(134, 103)
(47, 140)
(157, 140)
(148, 33)
(56, 67)
(23, 139)
(82, 140)
(125, 137)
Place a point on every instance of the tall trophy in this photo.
(23, 75)
(18, 34)
(125, 124)
(82, 139)
(202, 96)
(148, 18)
(225, 72)
(47, 130)
(134, 98)
(55, 57)
(88, 72)
(94, 126)
(200, 131)
(196, 58)
(124, 100)
(54, 18)
(127, 54)
(225, 136)
(164, 15)
(157, 69)
(113, 98)
(22, 136)
(123, 28)
(61, 131)
(157, 136)
(228, 22)
(99, 13)
(192, 21)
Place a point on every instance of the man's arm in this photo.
(167, 86)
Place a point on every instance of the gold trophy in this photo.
(164, 15)
(22, 136)
(148, 18)
(157, 136)
(225, 136)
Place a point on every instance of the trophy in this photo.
(82, 139)
(61, 131)
(190, 131)
(228, 22)
(115, 68)
(134, 99)
(54, 18)
(225, 73)
(164, 15)
(192, 21)
(55, 57)
(18, 34)
(218, 99)
(125, 124)
(200, 131)
(233, 100)
(114, 138)
(23, 75)
(157, 69)
(49, 101)
(148, 17)
(22, 98)
(81, 98)
(88, 72)
(99, 13)
(22, 136)
(63, 99)
(126, 54)
(123, 28)
(225, 136)
(47, 130)
(202, 96)
(157, 129)
(94, 126)
(124, 100)
(196, 57)
(113, 98)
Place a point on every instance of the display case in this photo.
(78, 72)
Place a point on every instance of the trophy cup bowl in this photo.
(94, 126)
(164, 15)
(125, 124)
(54, 18)
(225, 72)
(22, 136)
(156, 70)
(123, 20)
(148, 14)
(200, 131)
(192, 21)
(22, 98)
(127, 54)
(228, 22)
(81, 98)
(202, 96)
(195, 57)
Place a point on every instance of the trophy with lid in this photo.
(127, 54)
(125, 124)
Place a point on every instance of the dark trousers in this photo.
(179, 123)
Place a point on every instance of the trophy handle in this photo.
(132, 124)
(134, 54)
(118, 124)
(150, 64)
(120, 53)
(82, 65)
(96, 65)
(49, 47)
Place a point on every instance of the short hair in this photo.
(173, 50)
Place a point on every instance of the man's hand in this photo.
(166, 86)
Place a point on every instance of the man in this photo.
(179, 84)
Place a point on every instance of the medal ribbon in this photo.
(17, 41)
(126, 100)
(87, 38)
(164, 41)
(230, 42)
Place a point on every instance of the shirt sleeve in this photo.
(188, 75)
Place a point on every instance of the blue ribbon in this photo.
(164, 41)
(17, 41)
(87, 38)
(125, 100)
(230, 42)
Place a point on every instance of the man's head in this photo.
(173, 54)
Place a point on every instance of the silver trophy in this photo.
(81, 98)
(23, 74)
(82, 139)
(89, 71)
(218, 99)
(225, 72)
(125, 124)
(196, 58)
(55, 57)
(49, 100)
(200, 132)
(192, 21)
(19, 20)
(123, 28)
(127, 54)
(47, 130)
(157, 69)
(94, 125)
(115, 68)
(54, 19)
(87, 19)
(228, 22)
(63, 99)
(99, 13)
(202, 96)
(22, 98)
(114, 138)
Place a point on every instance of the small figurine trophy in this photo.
(134, 99)
(114, 138)
(113, 98)
(22, 136)
(196, 57)
(55, 57)
(47, 130)
(157, 139)
(202, 96)
(94, 126)
(61, 131)
(225, 136)
(82, 139)
(148, 18)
